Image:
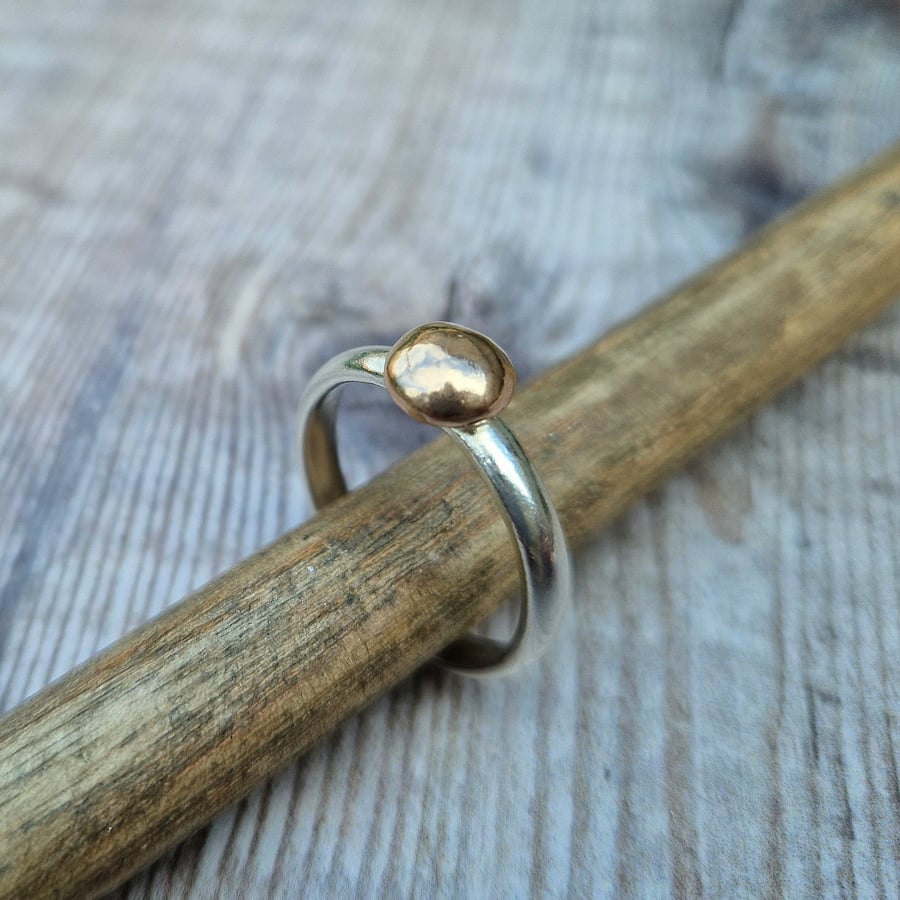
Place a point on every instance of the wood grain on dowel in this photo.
(107, 768)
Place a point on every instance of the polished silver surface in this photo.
(516, 487)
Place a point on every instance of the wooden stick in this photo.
(107, 768)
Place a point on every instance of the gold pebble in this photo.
(447, 375)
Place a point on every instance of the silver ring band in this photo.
(518, 490)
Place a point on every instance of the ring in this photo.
(459, 380)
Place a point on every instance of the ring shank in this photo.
(316, 436)
(516, 487)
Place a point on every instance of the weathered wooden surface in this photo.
(197, 206)
(113, 765)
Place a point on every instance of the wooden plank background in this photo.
(199, 203)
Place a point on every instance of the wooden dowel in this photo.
(116, 762)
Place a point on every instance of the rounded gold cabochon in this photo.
(445, 374)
